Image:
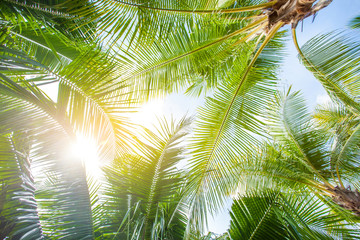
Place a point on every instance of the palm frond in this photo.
(355, 23)
(65, 194)
(346, 153)
(273, 215)
(152, 181)
(290, 123)
(27, 108)
(254, 217)
(19, 218)
(142, 22)
(52, 153)
(332, 58)
(50, 15)
(334, 117)
(343, 124)
(198, 58)
(227, 128)
(274, 166)
(77, 85)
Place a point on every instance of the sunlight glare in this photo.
(86, 149)
(148, 113)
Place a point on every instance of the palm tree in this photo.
(35, 130)
(304, 155)
(106, 55)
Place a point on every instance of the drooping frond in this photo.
(64, 193)
(26, 108)
(228, 127)
(31, 113)
(152, 183)
(84, 100)
(333, 59)
(272, 215)
(19, 218)
(291, 124)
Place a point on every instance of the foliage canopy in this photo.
(294, 174)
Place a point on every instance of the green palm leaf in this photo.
(143, 22)
(332, 58)
(227, 129)
(272, 215)
(254, 217)
(151, 183)
(19, 218)
(197, 58)
(290, 122)
(25, 113)
(335, 118)
(344, 124)
(51, 15)
(355, 23)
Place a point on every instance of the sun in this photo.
(87, 150)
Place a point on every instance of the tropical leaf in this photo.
(19, 218)
(335, 118)
(274, 167)
(355, 23)
(26, 108)
(332, 58)
(144, 190)
(226, 130)
(290, 122)
(273, 215)
(344, 125)
(198, 59)
(52, 150)
(143, 22)
(48, 14)
(81, 102)
(254, 217)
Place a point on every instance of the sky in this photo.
(335, 16)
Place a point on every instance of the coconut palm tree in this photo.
(304, 156)
(106, 54)
(36, 130)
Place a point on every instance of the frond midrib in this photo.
(241, 83)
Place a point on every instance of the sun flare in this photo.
(148, 113)
(86, 149)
